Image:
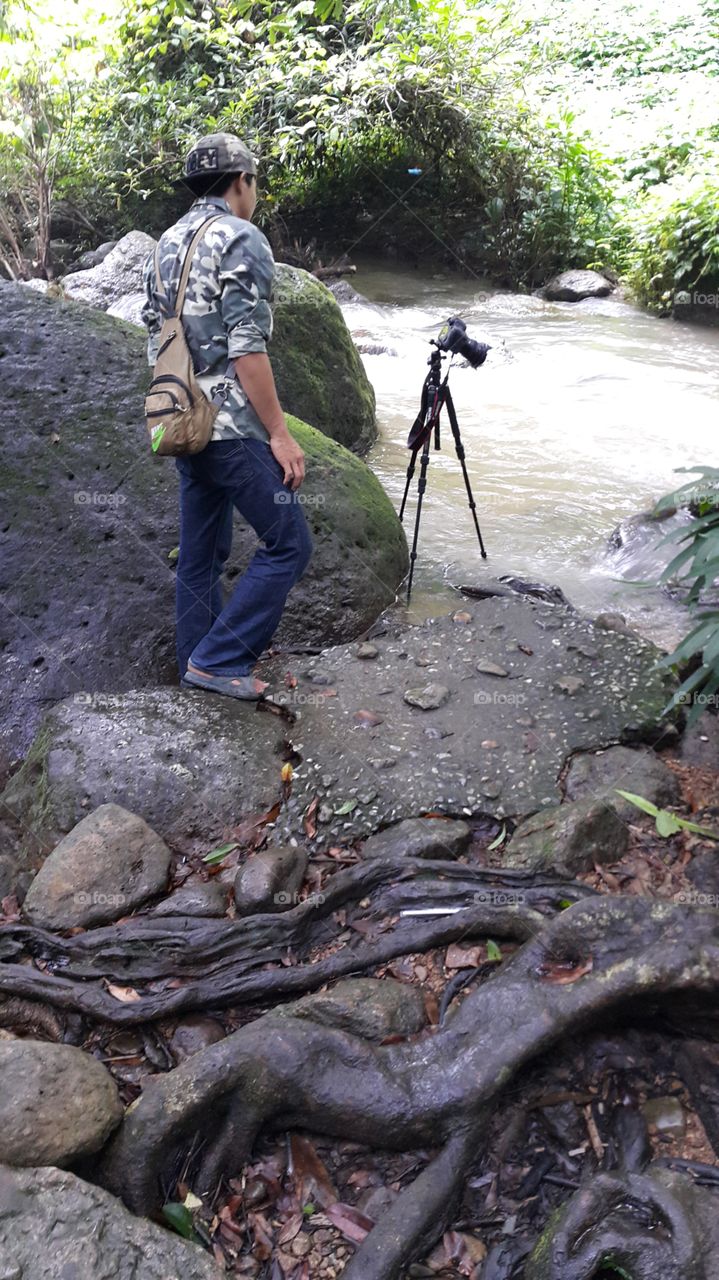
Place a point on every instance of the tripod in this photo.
(435, 394)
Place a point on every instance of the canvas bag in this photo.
(178, 414)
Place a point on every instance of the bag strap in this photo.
(168, 310)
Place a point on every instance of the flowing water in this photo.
(576, 421)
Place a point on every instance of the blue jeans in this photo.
(227, 640)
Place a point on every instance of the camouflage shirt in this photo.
(226, 312)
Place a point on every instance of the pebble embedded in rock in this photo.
(569, 838)
(569, 684)
(367, 650)
(108, 865)
(486, 668)
(57, 1103)
(428, 698)
(270, 880)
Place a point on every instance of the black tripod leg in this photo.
(459, 447)
(421, 486)
(410, 473)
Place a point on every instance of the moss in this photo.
(28, 798)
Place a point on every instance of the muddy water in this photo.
(577, 421)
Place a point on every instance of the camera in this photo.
(453, 338)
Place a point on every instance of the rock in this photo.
(573, 286)
(613, 622)
(95, 511)
(319, 375)
(420, 838)
(108, 865)
(188, 763)
(129, 308)
(703, 872)
(667, 1115)
(93, 257)
(270, 880)
(509, 585)
(569, 838)
(345, 294)
(53, 1226)
(374, 349)
(118, 273)
(194, 898)
(569, 684)
(367, 650)
(370, 1007)
(700, 744)
(375, 1201)
(193, 1034)
(486, 668)
(56, 1103)
(642, 772)
(40, 286)
(428, 698)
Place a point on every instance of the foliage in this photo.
(666, 823)
(696, 566)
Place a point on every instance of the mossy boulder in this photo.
(90, 520)
(318, 371)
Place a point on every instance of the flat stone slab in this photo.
(492, 746)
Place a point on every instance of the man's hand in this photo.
(290, 457)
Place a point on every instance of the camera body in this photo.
(453, 339)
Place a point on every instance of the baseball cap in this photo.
(217, 153)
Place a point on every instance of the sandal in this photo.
(242, 687)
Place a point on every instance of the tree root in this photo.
(224, 962)
(593, 959)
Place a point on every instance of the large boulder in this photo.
(574, 286)
(53, 1226)
(110, 863)
(319, 375)
(317, 368)
(90, 520)
(117, 273)
(56, 1103)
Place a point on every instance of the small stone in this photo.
(419, 838)
(428, 698)
(325, 813)
(569, 838)
(462, 616)
(489, 744)
(422, 660)
(667, 1115)
(490, 669)
(56, 1104)
(194, 1033)
(367, 650)
(270, 880)
(569, 684)
(194, 898)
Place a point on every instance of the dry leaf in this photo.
(308, 822)
(353, 1224)
(461, 957)
(312, 1179)
(127, 995)
(368, 719)
(564, 971)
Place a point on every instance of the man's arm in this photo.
(254, 373)
(150, 318)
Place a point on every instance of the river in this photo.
(577, 420)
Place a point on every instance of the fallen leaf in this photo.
(311, 1176)
(217, 855)
(353, 1224)
(564, 971)
(286, 772)
(290, 680)
(127, 995)
(290, 1229)
(461, 957)
(368, 719)
(347, 807)
(308, 822)
(524, 648)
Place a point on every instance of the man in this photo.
(252, 462)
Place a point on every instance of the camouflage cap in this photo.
(217, 153)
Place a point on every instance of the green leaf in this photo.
(667, 824)
(496, 843)
(173, 555)
(347, 807)
(216, 855)
(639, 802)
(179, 1218)
(493, 951)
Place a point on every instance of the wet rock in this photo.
(667, 1115)
(428, 698)
(373, 1008)
(194, 898)
(420, 838)
(375, 1201)
(193, 1034)
(56, 1103)
(117, 274)
(93, 257)
(700, 744)
(568, 839)
(110, 863)
(703, 872)
(613, 622)
(53, 1226)
(344, 293)
(270, 880)
(640, 771)
(509, 586)
(573, 286)
(374, 348)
